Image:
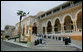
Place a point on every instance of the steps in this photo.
(54, 42)
(58, 47)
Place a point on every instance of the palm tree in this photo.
(21, 14)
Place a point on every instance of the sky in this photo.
(9, 9)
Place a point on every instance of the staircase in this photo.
(57, 45)
(54, 42)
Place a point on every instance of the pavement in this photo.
(78, 43)
(7, 46)
(51, 45)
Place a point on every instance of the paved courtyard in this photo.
(10, 45)
(6, 46)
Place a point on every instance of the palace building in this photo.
(63, 20)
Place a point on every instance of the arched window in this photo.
(68, 24)
(57, 26)
(27, 29)
(43, 30)
(23, 30)
(49, 27)
(34, 28)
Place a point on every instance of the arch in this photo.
(67, 15)
(35, 21)
(79, 20)
(77, 13)
(48, 21)
(57, 26)
(68, 23)
(56, 19)
(49, 27)
(34, 28)
(35, 24)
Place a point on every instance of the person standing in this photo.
(66, 41)
(44, 36)
(56, 37)
(69, 39)
(41, 40)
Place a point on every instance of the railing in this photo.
(55, 10)
(49, 33)
(57, 32)
(49, 13)
(42, 15)
(69, 31)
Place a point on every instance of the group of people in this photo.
(53, 37)
(39, 40)
(67, 40)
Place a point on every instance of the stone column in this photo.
(45, 30)
(25, 29)
(21, 32)
(62, 28)
(74, 26)
(22, 29)
(52, 29)
(29, 34)
(28, 29)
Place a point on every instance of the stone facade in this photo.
(65, 19)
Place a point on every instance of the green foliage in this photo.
(21, 13)
(6, 27)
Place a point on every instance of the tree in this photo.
(21, 14)
(6, 27)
